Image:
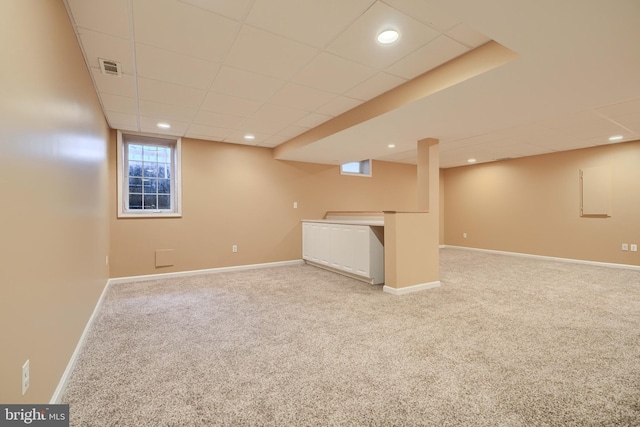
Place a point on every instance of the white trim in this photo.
(130, 279)
(176, 194)
(62, 385)
(411, 289)
(548, 258)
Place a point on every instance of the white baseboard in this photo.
(547, 258)
(62, 385)
(118, 280)
(410, 289)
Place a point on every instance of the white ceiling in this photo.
(220, 69)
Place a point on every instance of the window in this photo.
(148, 176)
(362, 168)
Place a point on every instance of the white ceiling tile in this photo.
(527, 132)
(183, 28)
(403, 156)
(161, 64)
(456, 157)
(216, 133)
(124, 127)
(209, 118)
(109, 17)
(629, 121)
(235, 9)
(245, 84)
(467, 36)
(333, 74)
(238, 138)
(583, 125)
(433, 54)
(339, 105)
(114, 85)
(220, 103)
(455, 144)
(279, 114)
(501, 143)
(166, 112)
(117, 120)
(312, 120)
(178, 40)
(593, 142)
(359, 43)
(301, 97)
(308, 21)
(558, 142)
(169, 93)
(427, 13)
(149, 124)
(291, 131)
(620, 109)
(266, 53)
(375, 86)
(268, 127)
(120, 104)
(273, 141)
(99, 45)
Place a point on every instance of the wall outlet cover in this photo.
(25, 377)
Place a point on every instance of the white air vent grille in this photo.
(110, 67)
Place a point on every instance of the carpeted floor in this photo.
(506, 341)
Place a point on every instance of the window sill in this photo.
(150, 215)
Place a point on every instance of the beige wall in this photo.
(532, 205)
(239, 195)
(54, 218)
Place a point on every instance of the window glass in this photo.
(362, 168)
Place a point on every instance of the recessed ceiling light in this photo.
(164, 125)
(471, 160)
(391, 145)
(249, 137)
(616, 138)
(388, 36)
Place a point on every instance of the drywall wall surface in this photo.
(532, 205)
(240, 195)
(411, 249)
(53, 140)
(441, 207)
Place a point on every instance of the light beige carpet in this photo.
(505, 341)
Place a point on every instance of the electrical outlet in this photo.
(106, 260)
(295, 205)
(634, 247)
(464, 235)
(625, 246)
(25, 377)
(234, 248)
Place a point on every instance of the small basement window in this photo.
(361, 168)
(148, 176)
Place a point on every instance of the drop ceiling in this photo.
(277, 69)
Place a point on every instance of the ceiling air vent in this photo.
(110, 67)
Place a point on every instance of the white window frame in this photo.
(123, 184)
(365, 168)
